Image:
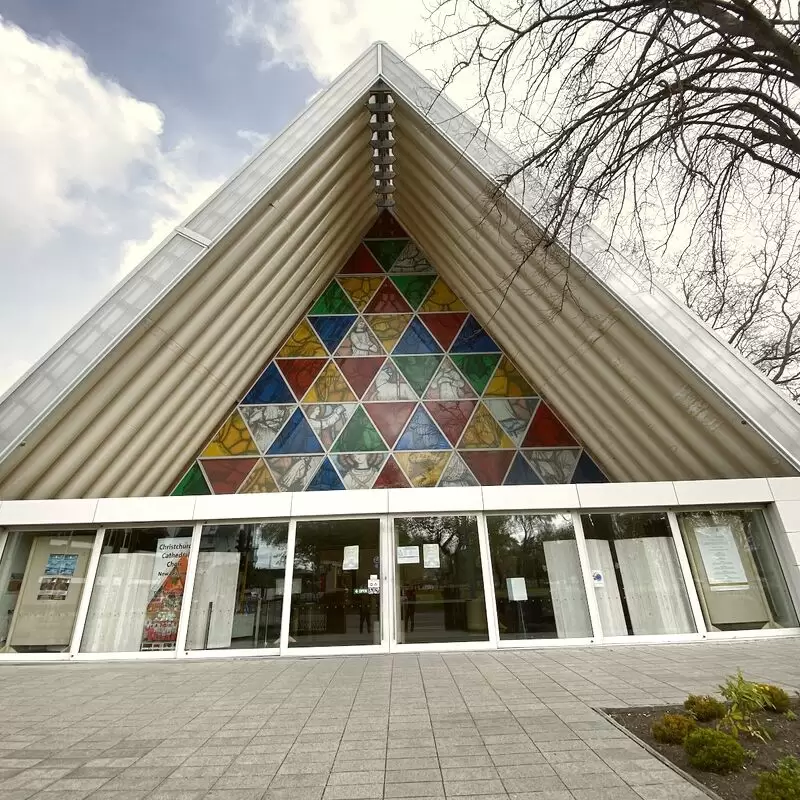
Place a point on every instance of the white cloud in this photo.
(255, 139)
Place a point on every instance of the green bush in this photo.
(714, 751)
(704, 707)
(672, 728)
(782, 783)
(746, 700)
(776, 698)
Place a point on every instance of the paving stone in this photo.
(415, 789)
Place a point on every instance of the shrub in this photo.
(672, 728)
(746, 699)
(782, 783)
(714, 751)
(776, 698)
(704, 707)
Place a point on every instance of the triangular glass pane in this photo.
(361, 289)
(259, 481)
(457, 473)
(488, 466)
(554, 465)
(361, 262)
(416, 341)
(423, 469)
(302, 342)
(449, 384)
(507, 381)
(413, 287)
(265, 422)
(232, 439)
(390, 384)
(293, 473)
(412, 261)
(389, 418)
(327, 420)
(333, 300)
(421, 433)
(587, 471)
(451, 415)
(386, 251)
(360, 371)
(388, 328)
(513, 414)
(192, 483)
(472, 338)
(326, 479)
(445, 326)
(521, 473)
(547, 430)
(269, 388)
(359, 470)
(329, 387)
(388, 300)
(386, 226)
(484, 432)
(442, 298)
(225, 475)
(418, 370)
(360, 342)
(300, 372)
(477, 368)
(359, 436)
(331, 330)
(391, 477)
(296, 437)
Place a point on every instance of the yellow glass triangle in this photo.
(442, 298)
(484, 432)
(360, 289)
(302, 342)
(232, 439)
(508, 382)
(388, 327)
(423, 469)
(259, 480)
(330, 387)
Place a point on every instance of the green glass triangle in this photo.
(359, 436)
(413, 287)
(476, 368)
(386, 250)
(333, 300)
(193, 482)
(418, 370)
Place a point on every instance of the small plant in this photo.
(790, 715)
(714, 751)
(776, 698)
(672, 728)
(704, 708)
(746, 700)
(781, 783)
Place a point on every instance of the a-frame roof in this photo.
(120, 404)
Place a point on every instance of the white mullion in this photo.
(583, 557)
(387, 585)
(3, 540)
(88, 587)
(488, 580)
(288, 576)
(188, 591)
(686, 571)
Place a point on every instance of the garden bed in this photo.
(785, 741)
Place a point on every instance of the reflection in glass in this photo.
(736, 570)
(538, 585)
(42, 576)
(636, 575)
(138, 592)
(335, 587)
(440, 595)
(238, 588)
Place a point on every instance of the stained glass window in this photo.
(388, 382)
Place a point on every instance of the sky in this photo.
(117, 119)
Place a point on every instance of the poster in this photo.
(517, 590)
(373, 585)
(61, 564)
(720, 555)
(53, 587)
(168, 580)
(598, 580)
(408, 555)
(430, 556)
(350, 558)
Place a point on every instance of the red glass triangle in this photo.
(387, 300)
(300, 372)
(546, 430)
(451, 416)
(362, 262)
(488, 466)
(391, 477)
(390, 418)
(360, 371)
(226, 475)
(444, 327)
(386, 227)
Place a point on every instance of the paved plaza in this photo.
(514, 724)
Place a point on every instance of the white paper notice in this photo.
(720, 555)
(350, 559)
(598, 580)
(373, 585)
(517, 591)
(430, 556)
(408, 555)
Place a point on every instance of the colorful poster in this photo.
(61, 564)
(169, 578)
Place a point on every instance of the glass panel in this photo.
(636, 575)
(440, 596)
(335, 587)
(42, 576)
(138, 591)
(538, 585)
(736, 570)
(238, 587)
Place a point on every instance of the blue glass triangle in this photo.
(295, 437)
(421, 433)
(586, 471)
(326, 479)
(416, 341)
(473, 339)
(269, 388)
(331, 329)
(521, 473)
